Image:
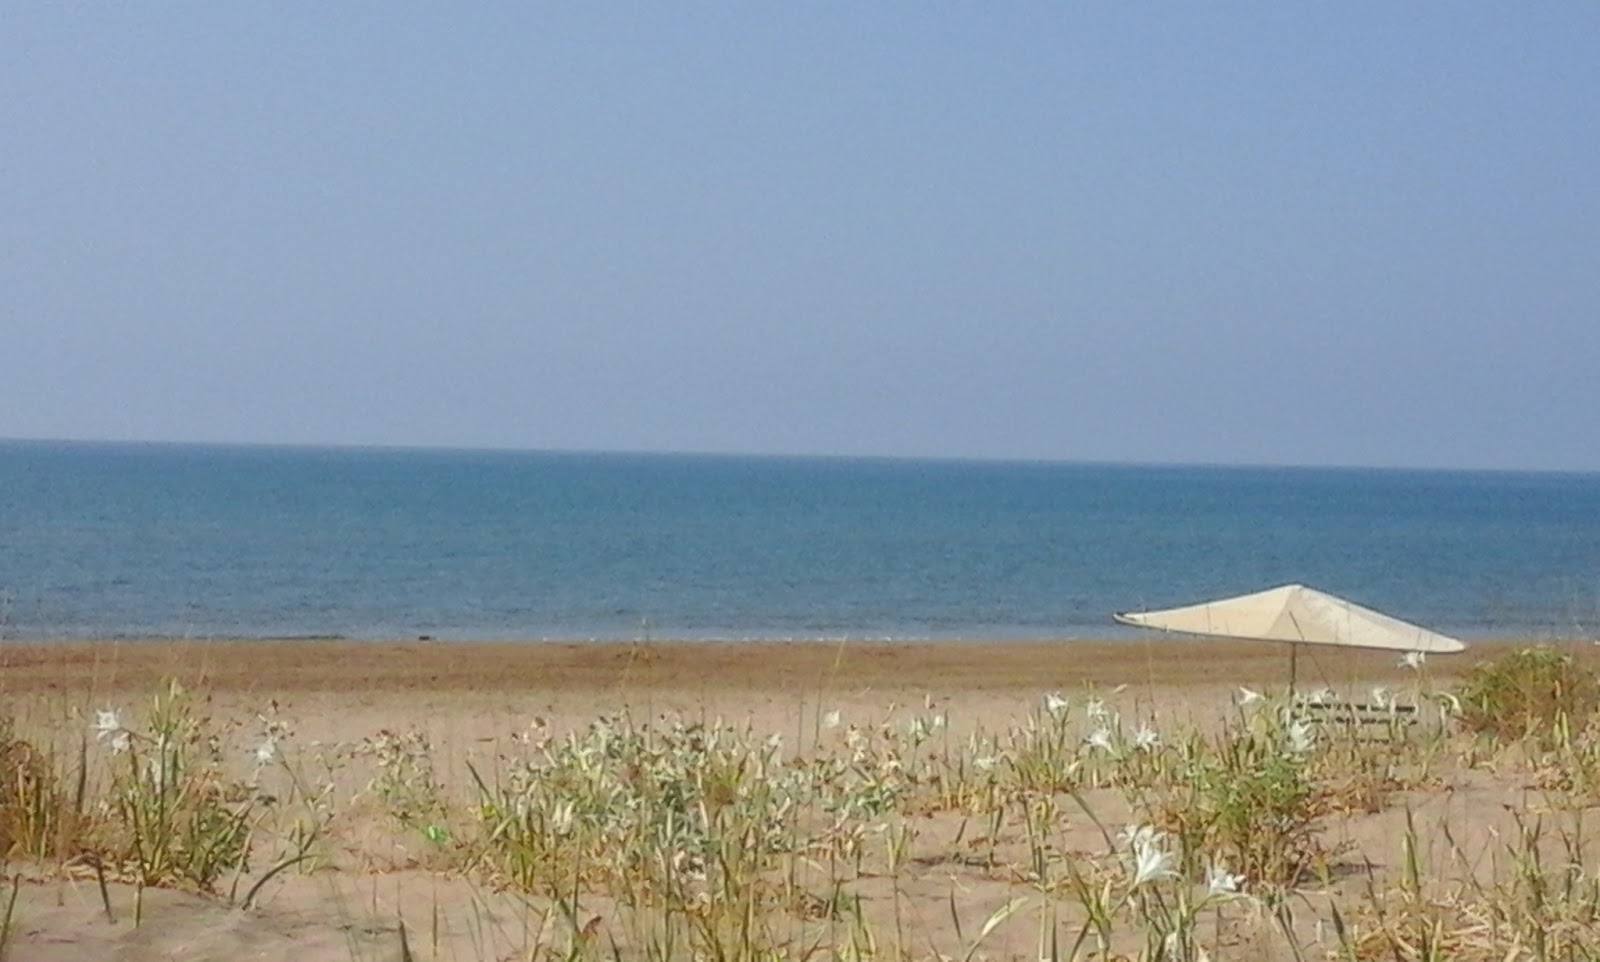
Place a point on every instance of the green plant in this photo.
(405, 785)
(174, 816)
(1148, 900)
(1570, 767)
(681, 825)
(624, 801)
(1527, 692)
(1247, 799)
(39, 816)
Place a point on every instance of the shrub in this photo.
(1248, 801)
(174, 818)
(1528, 693)
(39, 818)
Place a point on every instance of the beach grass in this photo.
(1093, 822)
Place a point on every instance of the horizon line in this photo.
(789, 455)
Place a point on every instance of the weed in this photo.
(1248, 799)
(1527, 692)
(694, 839)
(173, 816)
(40, 815)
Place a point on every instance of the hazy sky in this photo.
(1268, 233)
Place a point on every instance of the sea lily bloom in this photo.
(1302, 737)
(1096, 710)
(1145, 738)
(266, 751)
(108, 724)
(831, 719)
(1101, 738)
(1413, 660)
(106, 720)
(1055, 703)
(1222, 881)
(1150, 861)
(1248, 696)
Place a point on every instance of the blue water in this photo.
(215, 541)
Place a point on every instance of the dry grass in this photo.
(1090, 824)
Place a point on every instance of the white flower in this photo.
(1101, 738)
(1151, 864)
(984, 763)
(1413, 660)
(831, 719)
(1096, 710)
(1150, 860)
(1382, 698)
(1055, 703)
(1132, 835)
(1248, 696)
(267, 751)
(1318, 697)
(1145, 738)
(108, 724)
(1222, 881)
(1302, 737)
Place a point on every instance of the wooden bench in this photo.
(1367, 720)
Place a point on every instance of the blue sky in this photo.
(1233, 233)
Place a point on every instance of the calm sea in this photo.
(128, 540)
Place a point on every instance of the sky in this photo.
(1330, 234)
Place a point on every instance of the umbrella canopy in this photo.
(1299, 615)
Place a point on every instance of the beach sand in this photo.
(472, 701)
(729, 673)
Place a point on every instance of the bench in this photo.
(1367, 720)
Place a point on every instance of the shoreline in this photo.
(1110, 633)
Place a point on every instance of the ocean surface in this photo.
(119, 540)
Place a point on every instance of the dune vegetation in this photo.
(1412, 823)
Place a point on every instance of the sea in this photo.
(110, 540)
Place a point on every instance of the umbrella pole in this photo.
(1294, 664)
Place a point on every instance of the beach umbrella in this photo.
(1297, 615)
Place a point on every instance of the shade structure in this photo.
(1298, 615)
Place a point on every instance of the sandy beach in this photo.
(701, 669)
(474, 705)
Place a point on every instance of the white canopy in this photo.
(1296, 614)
